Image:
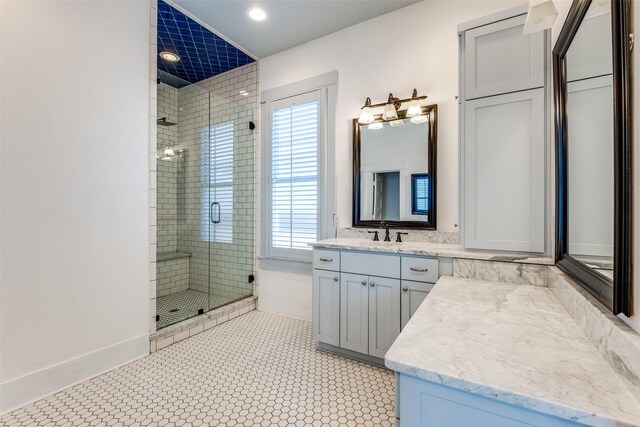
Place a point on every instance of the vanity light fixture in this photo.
(169, 56)
(391, 109)
(169, 152)
(257, 14)
(366, 115)
(414, 105)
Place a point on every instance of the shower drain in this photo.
(173, 310)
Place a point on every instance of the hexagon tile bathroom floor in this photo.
(257, 370)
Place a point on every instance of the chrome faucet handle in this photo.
(399, 236)
(375, 236)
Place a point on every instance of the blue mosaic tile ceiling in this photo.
(202, 53)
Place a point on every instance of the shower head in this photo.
(163, 122)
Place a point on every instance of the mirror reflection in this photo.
(394, 170)
(590, 146)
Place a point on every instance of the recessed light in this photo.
(169, 56)
(257, 14)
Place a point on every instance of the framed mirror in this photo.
(594, 176)
(394, 171)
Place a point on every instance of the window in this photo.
(217, 197)
(294, 173)
(296, 209)
(420, 193)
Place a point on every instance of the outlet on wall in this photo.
(336, 220)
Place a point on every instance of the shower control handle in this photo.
(216, 221)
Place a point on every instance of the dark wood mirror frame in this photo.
(618, 297)
(432, 112)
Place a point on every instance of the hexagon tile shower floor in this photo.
(257, 370)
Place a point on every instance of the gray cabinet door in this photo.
(499, 59)
(354, 312)
(413, 293)
(384, 314)
(504, 172)
(326, 306)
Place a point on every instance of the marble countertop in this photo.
(430, 249)
(515, 344)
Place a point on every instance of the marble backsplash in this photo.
(430, 236)
(615, 340)
(505, 272)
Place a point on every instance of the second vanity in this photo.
(491, 348)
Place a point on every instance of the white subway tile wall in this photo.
(173, 276)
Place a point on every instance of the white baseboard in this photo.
(37, 385)
(290, 308)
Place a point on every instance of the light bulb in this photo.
(366, 116)
(414, 108)
(168, 152)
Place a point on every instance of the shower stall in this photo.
(205, 204)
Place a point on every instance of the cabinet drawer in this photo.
(371, 264)
(420, 269)
(326, 259)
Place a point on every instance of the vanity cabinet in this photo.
(503, 134)
(413, 293)
(361, 300)
(369, 313)
(426, 404)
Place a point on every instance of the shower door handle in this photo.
(216, 221)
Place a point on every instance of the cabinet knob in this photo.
(335, 279)
(364, 283)
(372, 284)
(405, 289)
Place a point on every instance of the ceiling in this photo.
(290, 23)
(203, 54)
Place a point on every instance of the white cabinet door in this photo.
(354, 312)
(499, 59)
(413, 293)
(384, 314)
(504, 172)
(326, 306)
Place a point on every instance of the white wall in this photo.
(75, 192)
(414, 47)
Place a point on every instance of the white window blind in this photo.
(294, 172)
(217, 212)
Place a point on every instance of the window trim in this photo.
(326, 86)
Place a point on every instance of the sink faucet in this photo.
(387, 238)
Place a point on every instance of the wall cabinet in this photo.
(361, 300)
(504, 172)
(503, 136)
(500, 59)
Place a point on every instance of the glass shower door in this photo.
(231, 204)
